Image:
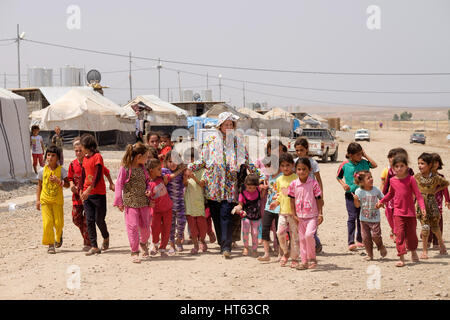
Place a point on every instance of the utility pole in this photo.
(18, 54)
(4, 81)
(220, 87)
(243, 96)
(168, 93)
(159, 77)
(131, 86)
(179, 86)
(207, 78)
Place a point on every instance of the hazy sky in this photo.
(319, 35)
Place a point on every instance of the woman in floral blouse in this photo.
(221, 156)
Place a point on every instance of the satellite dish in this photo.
(93, 76)
(197, 97)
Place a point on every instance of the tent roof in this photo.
(157, 105)
(222, 107)
(76, 102)
(278, 113)
(318, 118)
(6, 94)
(52, 94)
(251, 113)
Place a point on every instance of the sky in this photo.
(324, 36)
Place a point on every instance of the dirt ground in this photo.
(28, 272)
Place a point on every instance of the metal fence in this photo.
(427, 125)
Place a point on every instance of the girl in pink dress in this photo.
(403, 187)
(305, 194)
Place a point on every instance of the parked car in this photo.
(417, 137)
(362, 134)
(322, 144)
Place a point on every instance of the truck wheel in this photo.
(325, 157)
(335, 155)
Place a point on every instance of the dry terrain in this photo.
(28, 272)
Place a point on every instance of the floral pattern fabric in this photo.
(221, 166)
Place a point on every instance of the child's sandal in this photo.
(51, 250)
(59, 244)
(312, 264)
(302, 266)
(144, 247)
(135, 257)
(263, 258)
(283, 261)
(294, 264)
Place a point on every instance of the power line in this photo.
(7, 44)
(156, 88)
(243, 68)
(312, 88)
(309, 100)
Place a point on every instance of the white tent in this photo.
(162, 113)
(251, 113)
(80, 111)
(14, 137)
(278, 113)
(244, 122)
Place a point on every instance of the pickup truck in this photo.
(322, 144)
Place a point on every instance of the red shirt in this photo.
(165, 151)
(89, 164)
(75, 172)
(160, 195)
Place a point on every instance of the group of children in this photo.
(407, 197)
(159, 197)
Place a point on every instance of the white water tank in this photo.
(207, 95)
(40, 77)
(188, 95)
(71, 76)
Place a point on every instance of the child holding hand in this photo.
(250, 210)
(286, 219)
(429, 184)
(366, 198)
(305, 195)
(403, 188)
(354, 164)
(195, 208)
(130, 196)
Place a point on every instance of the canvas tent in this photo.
(278, 113)
(251, 113)
(84, 111)
(244, 122)
(14, 137)
(275, 119)
(161, 114)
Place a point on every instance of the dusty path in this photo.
(28, 272)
